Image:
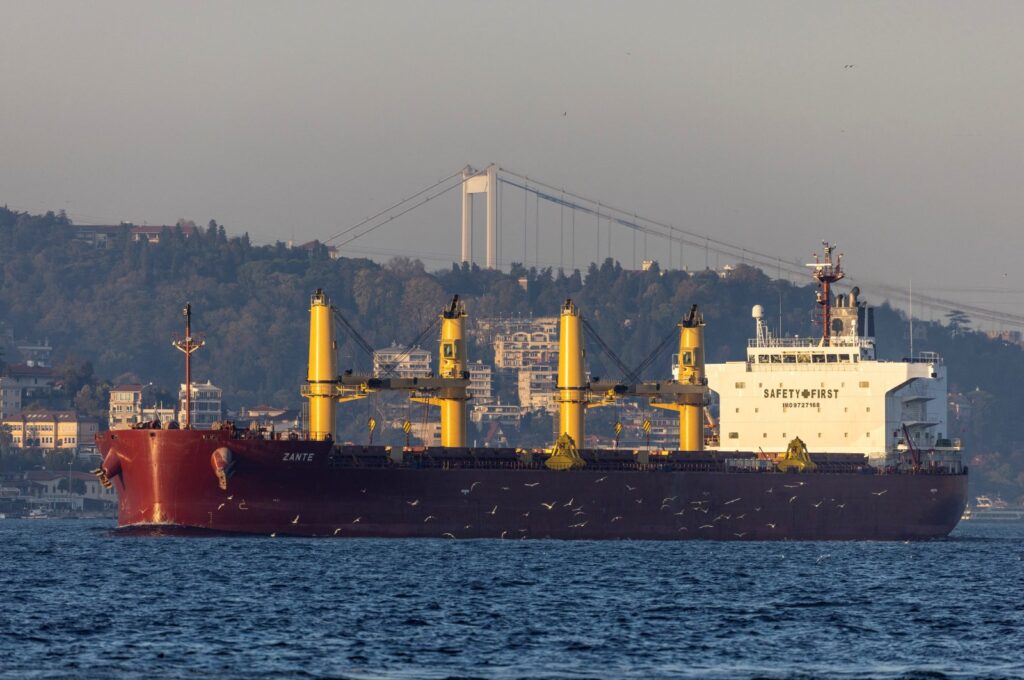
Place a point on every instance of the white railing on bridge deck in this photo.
(811, 342)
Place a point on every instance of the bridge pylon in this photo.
(480, 182)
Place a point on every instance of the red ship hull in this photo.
(167, 480)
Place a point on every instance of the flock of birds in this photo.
(580, 519)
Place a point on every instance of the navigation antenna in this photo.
(827, 273)
(188, 345)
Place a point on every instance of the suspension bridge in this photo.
(543, 208)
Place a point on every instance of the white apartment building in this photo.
(125, 406)
(207, 405)
(401, 361)
(481, 383)
(533, 346)
(537, 389)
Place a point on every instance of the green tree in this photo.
(958, 322)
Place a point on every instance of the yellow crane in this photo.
(451, 392)
(322, 375)
(324, 388)
(689, 403)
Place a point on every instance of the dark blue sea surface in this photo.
(78, 600)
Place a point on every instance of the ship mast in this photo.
(188, 345)
(827, 273)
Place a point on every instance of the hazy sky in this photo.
(735, 119)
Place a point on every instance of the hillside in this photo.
(117, 306)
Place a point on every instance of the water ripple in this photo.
(80, 601)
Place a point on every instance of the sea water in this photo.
(79, 600)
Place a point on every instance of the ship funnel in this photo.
(323, 371)
(572, 384)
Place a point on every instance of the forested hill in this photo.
(118, 306)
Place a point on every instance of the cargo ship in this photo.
(232, 480)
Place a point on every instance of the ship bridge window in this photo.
(818, 358)
(776, 358)
(845, 358)
(762, 358)
(788, 359)
(833, 358)
(803, 358)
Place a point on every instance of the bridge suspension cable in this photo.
(395, 207)
(766, 262)
(646, 227)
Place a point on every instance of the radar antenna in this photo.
(826, 272)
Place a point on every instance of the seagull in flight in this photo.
(428, 518)
(616, 518)
(549, 506)
(357, 520)
(493, 510)
(296, 520)
(879, 493)
(414, 503)
(531, 484)
(598, 481)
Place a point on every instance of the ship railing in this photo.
(924, 358)
(838, 341)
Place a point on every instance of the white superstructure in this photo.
(832, 392)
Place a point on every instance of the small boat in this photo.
(987, 509)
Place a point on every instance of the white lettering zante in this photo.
(298, 457)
